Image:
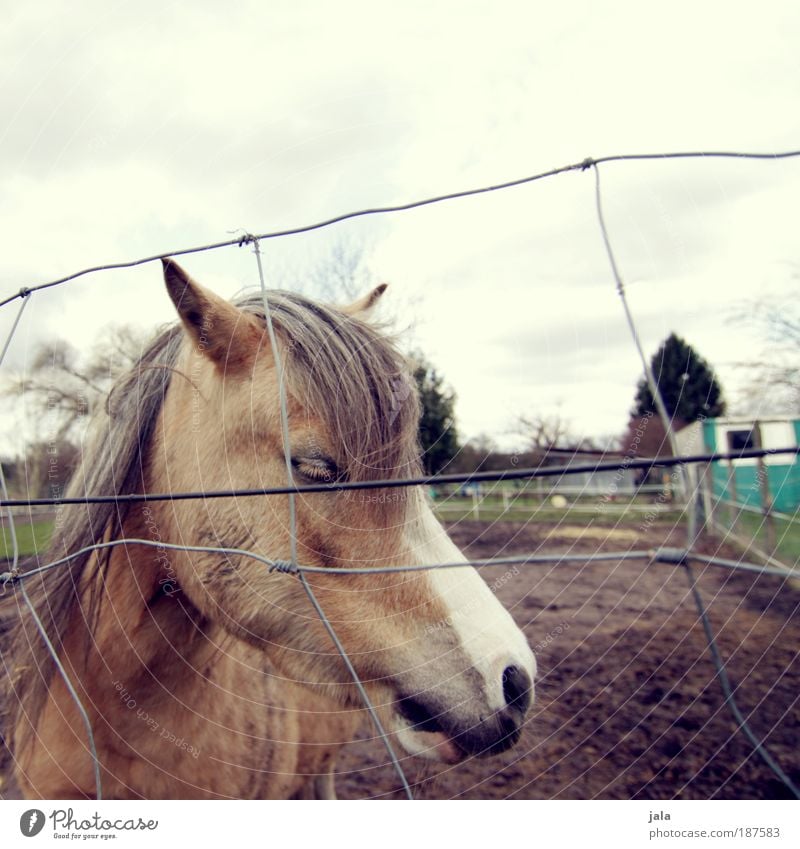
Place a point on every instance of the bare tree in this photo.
(340, 275)
(542, 432)
(62, 387)
(772, 380)
(344, 274)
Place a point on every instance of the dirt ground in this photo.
(628, 705)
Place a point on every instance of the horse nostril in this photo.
(517, 688)
(419, 715)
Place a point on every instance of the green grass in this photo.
(787, 534)
(532, 510)
(32, 538)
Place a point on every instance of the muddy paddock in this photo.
(628, 704)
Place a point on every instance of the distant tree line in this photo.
(62, 388)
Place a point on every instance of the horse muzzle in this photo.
(453, 734)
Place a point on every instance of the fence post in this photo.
(505, 500)
(766, 498)
(708, 499)
(475, 509)
(691, 483)
(733, 498)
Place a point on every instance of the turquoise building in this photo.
(739, 480)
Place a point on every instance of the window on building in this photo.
(741, 440)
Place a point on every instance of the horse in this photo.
(207, 674)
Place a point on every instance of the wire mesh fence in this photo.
(692, 495)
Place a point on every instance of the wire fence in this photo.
(755, 525)
(691, 492)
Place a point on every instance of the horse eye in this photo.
(317, 469)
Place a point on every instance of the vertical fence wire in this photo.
(727, 690)
(31, 607)
(70, 688)
(666, 420)
(12, 529)
(287, 454)
(652, 383)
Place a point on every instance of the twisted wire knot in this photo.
(7, 578)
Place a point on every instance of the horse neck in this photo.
(132, 613)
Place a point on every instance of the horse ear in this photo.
(225, 334)
(364, 306)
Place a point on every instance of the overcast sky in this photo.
(128, 129)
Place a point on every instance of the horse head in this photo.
(446, 666)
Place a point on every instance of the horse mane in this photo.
(342, 369)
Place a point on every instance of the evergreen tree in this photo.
(437, 427)
(686, 382)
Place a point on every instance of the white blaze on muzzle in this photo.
(487, 635)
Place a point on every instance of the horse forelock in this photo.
(348, 374)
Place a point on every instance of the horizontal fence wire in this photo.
(421, 480)
(748, 545)
(583, 165)
(289, 566)
(748, 508)
(744, 566)
(675, 557)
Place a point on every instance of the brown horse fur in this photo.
(206, 675)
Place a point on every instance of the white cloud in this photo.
(137, 128)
